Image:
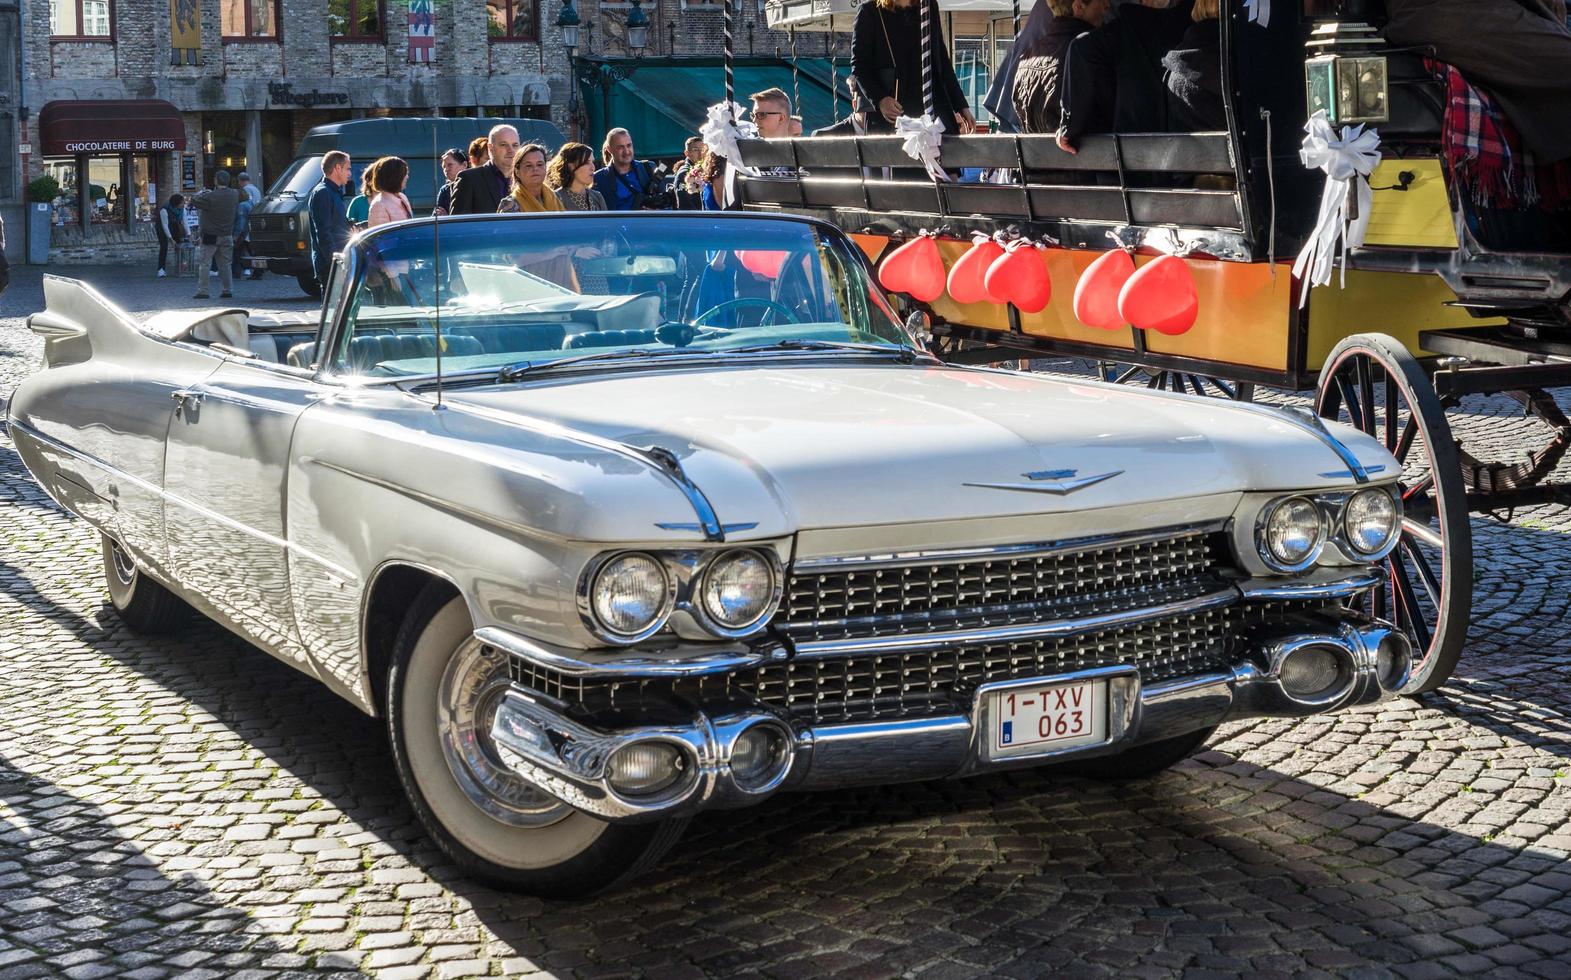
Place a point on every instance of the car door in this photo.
(225, 471)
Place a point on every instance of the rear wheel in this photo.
(1372, 383)
(141, 603)
(441, 699)
(309, 285)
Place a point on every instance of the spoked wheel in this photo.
(1181, 382)
(1372, 383)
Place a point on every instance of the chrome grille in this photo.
(1044, 582)
(866, 687)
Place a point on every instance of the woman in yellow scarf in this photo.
(530, 195)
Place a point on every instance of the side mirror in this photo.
(920, 326)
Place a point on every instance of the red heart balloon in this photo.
(1096, 294)
(1020, 277)
(766, 264)
(966, 276)
(1161, 296)
(915, 269)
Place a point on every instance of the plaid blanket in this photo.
(1485, 154)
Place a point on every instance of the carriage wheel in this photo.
(1372, 383)
(1179, 381)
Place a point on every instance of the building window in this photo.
(80, 18)
(354, 20)
(244, 20)
(106, 193)
(513, 20)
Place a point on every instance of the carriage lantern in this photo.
(1349, 89)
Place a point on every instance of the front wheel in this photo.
(141, 603)
(309, 285)
(441, 699)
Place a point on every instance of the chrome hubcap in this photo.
(125, 571)
(471, 689)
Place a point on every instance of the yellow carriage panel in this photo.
(1397, 303)
(1419, 217)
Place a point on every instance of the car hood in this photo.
(796, 447)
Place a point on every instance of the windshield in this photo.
(526, 290)
(305, 173)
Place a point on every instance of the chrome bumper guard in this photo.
(571, 760)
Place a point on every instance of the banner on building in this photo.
(422, 32)
(185, 32)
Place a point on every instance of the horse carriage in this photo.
(1439, 303)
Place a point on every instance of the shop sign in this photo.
(422, 32)
(120, 146)
(284, 94)
(185, 32)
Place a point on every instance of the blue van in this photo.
(278, 224)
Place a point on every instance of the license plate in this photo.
(258, 263)
(1036, 718)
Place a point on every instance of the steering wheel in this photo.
(769, 305)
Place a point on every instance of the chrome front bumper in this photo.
(570, 759)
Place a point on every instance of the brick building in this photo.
(127, 101)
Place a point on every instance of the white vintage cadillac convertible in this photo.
(615, 518)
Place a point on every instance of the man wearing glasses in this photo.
(772, 113)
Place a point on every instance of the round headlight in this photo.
(631, 596)
(738, 589)
(1292, 534)
(1370, 522)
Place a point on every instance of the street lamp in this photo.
(637, 28)
(567, 20)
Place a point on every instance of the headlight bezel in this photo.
(1262, 523)
(684, 612)
(1344, 535)
(699, 583)
(589, 587)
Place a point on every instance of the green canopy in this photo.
(663, 101)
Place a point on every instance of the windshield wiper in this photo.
(905, 353)
(514, 372)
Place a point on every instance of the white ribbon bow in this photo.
(1346, 203)
(722, 128)
(1259, 12)
(922, 139)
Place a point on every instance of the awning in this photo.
(664, 102)
(113, 126)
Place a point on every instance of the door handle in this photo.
(185, 397)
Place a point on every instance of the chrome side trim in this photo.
(1020, 631)
(1265, 590)
(656, 457)
(614, 664)
(348, 576)
(814, 566)
(1313, 424)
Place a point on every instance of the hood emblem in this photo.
(1057, 482)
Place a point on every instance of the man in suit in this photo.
(479, 190)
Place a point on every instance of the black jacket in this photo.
(1039, 77)
(886, 60)
(1114, 78)
(1193, 76)
(479, 190)
(329, 225)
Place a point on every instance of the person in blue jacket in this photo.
(329, 219)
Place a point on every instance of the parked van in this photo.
(279, 227)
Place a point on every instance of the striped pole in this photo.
(834, 82)
(796, 83)
(1014, 16)
(730, 70)
(927, 57)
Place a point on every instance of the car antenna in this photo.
(436, 250)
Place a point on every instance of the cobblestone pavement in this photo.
(187, 805)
